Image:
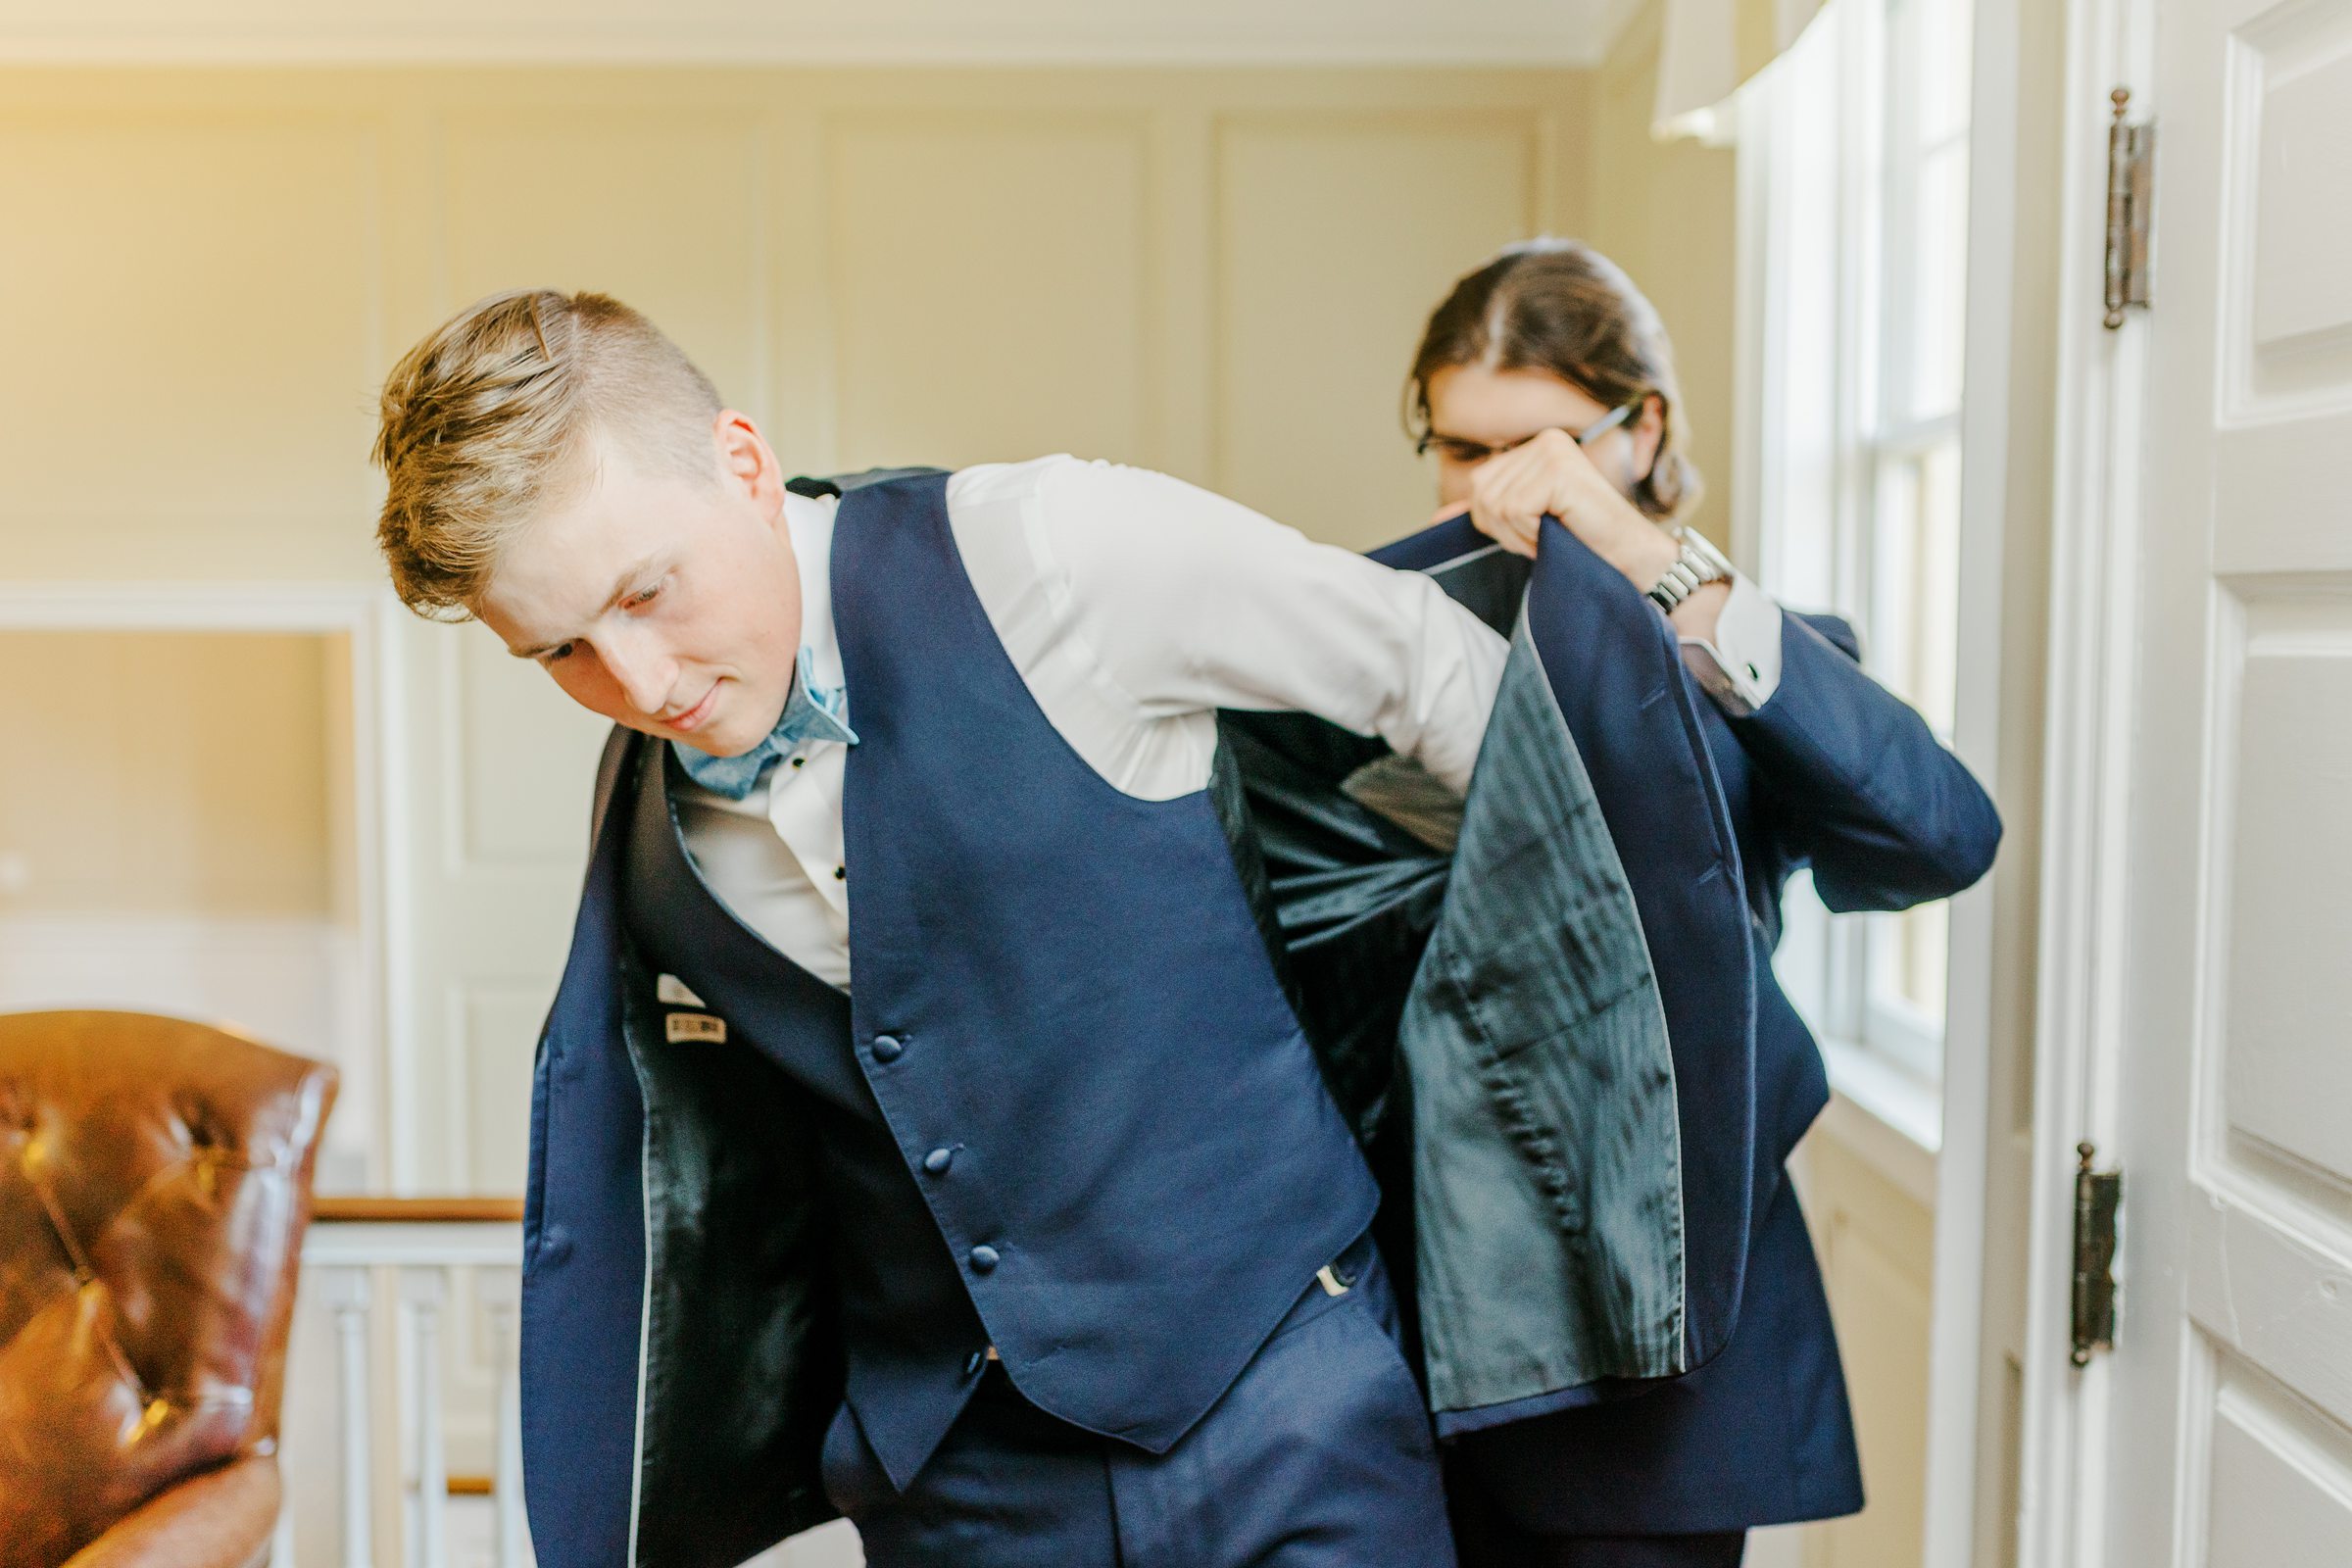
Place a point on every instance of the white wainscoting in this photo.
(1868, 1187)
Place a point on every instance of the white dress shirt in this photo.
(1134, 607)
(1740, 666)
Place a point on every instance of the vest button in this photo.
(555, 1245)
(888, 1047)
(938, 1160)
(983, 1260)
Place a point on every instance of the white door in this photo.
(500, 768)
(2201, 940)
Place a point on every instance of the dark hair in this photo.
(1558, 305)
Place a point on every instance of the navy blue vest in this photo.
(1067, 1110)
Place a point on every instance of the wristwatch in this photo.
(1699, 562)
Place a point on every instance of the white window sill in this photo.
(1886, 1115)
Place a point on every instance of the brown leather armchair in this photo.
(155, 1178)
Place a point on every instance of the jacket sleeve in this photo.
(1860, 787)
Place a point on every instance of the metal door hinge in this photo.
(2130, 193)
(2098, 1204)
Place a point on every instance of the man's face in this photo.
(1474, 411)
(666, 605)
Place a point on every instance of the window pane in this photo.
(1940, 44)
(1907, 953)
(1937, 293)
(1915, 566)
(1914, 613)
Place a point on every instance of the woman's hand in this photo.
(1511, 492)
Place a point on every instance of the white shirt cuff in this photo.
(1741, 668)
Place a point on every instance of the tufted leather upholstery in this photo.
(155, 1180)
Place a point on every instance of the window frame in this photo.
(1828, 221)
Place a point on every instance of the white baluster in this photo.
(348, 1290)
(424, 1289)
(500, 1290)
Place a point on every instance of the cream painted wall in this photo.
(1876, 1246)
(1217, 272)
(209, 271)
(206, 273)
(163, 774)
(1667, 213)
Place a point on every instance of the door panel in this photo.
(2281, 1481)
(2286, 1017)
(2229, 1412)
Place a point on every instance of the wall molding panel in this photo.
(1217, 272)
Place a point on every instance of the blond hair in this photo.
(491, 418)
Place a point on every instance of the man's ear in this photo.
(1649, 433)
(746, 459)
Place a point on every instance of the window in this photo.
(1853, 219)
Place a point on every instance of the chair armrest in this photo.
(220, 1519)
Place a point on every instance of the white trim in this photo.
(1890, 1119)
(184, 606)
(1956, 1339)
(366, 616)
(403, 1244)
(1908, 438)
(755, 40)
(1609, 25)
(2065, 1445)
(387, 883)
(1904, 1105)
(1501, 53)
(1910, 1037)
(1758, 326)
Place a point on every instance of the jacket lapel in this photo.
(1581, 1031)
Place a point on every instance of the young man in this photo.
(920, 1089)
(949, 1114)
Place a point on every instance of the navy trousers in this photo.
(1490, 1541)
(1318, 1456)
(1485, 1539)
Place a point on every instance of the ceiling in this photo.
(1399, 32)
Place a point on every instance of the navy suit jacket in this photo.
(1836, 774)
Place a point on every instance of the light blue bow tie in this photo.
(810, 713)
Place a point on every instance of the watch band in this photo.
(1699, 562)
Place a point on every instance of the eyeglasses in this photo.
(1455, 449)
